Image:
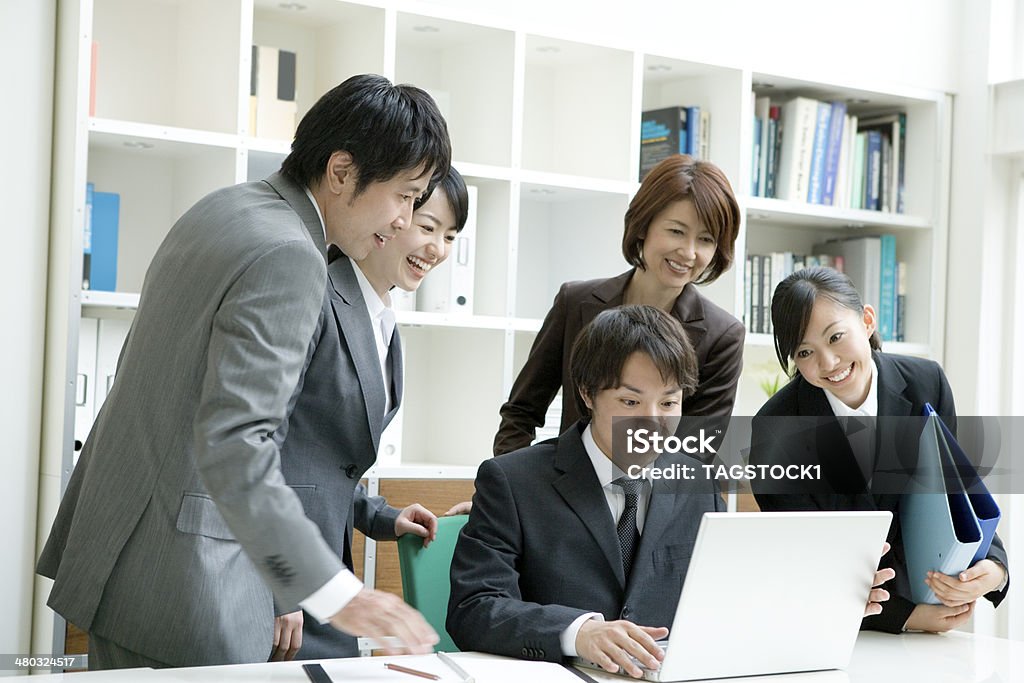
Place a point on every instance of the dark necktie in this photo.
(629, 534)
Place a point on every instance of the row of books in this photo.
(870, 263)
(673, 130)
(807, 150)
(99, 239)
(272, 104)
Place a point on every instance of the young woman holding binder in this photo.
(680, 230)
(830, 336)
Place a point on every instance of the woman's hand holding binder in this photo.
(984, 577)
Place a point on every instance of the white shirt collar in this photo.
(604, 468)
(374, 304)
(318, 214)
(867, 409)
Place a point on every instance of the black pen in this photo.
(316, 673)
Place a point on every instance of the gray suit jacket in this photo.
(332, 434)
(540, 549)
(177, 523)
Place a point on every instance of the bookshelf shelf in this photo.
(483, 171)
(163, 139)
(800, 214)
(526, 324)
(93, 299)
(478, 322)
(267, 146)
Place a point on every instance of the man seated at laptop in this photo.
(561, 557)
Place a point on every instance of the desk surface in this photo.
(947, 658)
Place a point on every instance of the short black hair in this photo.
(603, 346)
(794, 299)
(386, 128)
(454, 188)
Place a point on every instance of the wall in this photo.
(27, 43)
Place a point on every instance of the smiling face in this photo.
(835, 352)
(642, 392)
(677, 247)
(359, 223)
(407, 258)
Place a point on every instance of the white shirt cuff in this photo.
(332, 597)
(568, 637)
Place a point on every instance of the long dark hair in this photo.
(794, 298)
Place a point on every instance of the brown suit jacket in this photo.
(716, 336)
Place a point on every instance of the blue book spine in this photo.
(105, 211)
(692, 129)
(835, 145)
(816, 189)
(873, 171)
(887, 302)
(87, 237)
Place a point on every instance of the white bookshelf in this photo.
(545, 126)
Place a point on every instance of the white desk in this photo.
(877, 658)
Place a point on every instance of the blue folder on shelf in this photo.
(948, 517)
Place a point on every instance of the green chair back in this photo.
(425, 574)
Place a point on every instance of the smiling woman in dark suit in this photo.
(822, 326)
(680, 230)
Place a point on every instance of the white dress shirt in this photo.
(862, 440)
(383, 324)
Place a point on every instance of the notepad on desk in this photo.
(481, 667)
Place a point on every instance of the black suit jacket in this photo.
(905, 384)
(540, 549)
(332, 433)
(717, 337)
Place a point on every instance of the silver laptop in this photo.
(772, 592)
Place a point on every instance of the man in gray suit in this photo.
(177, 530)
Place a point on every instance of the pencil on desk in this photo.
(412, 672)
